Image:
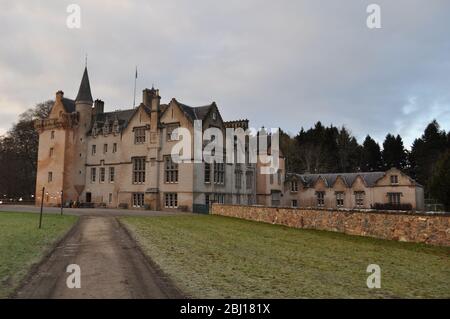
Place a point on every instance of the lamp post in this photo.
(42, 206)
(62, 203)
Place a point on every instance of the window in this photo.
(294, 186)
(279, 177)
(105, 148)
(238, 179)
(276, 198)
(102, 175)
(171, 200)
(320, 199)
(112, 172)
(394, 198)
(138, 200)
(93, 174)
(219, 173)
(359, 199)
(207, 173)
(139, 135)
(219, 198)
(271, 178)
(207, 199)
(249, 179)
(169, 131)
(214, 116)
(114, 150)
(294, 203)
(50, 177)
(171, 170)
(340, 199)
(110, 198)
(138, 170)
(51, 151)
(52, 135)
(394, 179)
(94, 149)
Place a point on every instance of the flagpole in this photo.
(134, 99)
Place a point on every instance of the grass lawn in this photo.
(220, 257)
(22, 244)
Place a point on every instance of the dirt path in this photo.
(111, 264)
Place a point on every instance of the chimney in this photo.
(99, 106)
(151, 99)
(59, 96)
(147, 98)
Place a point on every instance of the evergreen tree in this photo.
(394, 154)
(425, 152)
(440, 180)
(371, 155)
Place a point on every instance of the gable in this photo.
(359, 183)
(339, 183)
(57, 108)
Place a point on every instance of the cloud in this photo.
(278, 63)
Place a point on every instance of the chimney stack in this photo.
(99, 106)
(151, 98)
(59, 96)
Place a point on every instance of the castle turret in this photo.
(76, 171)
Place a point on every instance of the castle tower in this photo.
(76, 177)
(63, 147)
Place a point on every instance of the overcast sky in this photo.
(278, 63)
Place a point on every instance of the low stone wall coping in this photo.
(422, 227)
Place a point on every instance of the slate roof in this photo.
(123, 117)
(369, 178)
(196, 113)
(69, 105)
(84, 93)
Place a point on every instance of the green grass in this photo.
(22, 244)
(219, 257)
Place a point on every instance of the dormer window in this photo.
(94, 130)
(394, 179)
(294, 186)
(116, 127)
(214, 116)
(106, 128)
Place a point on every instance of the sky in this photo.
(284, 63)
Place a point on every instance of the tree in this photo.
(426, 150)
(348, 152)
(289, 149)
(440, 180)
(394, 154)
(371, 155)
(18, 154)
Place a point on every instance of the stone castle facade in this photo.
(122, 159)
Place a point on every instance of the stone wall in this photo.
(402, 226)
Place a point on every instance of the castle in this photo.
(123, 159)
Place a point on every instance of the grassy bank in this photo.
(22, 244)
(216, 257)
